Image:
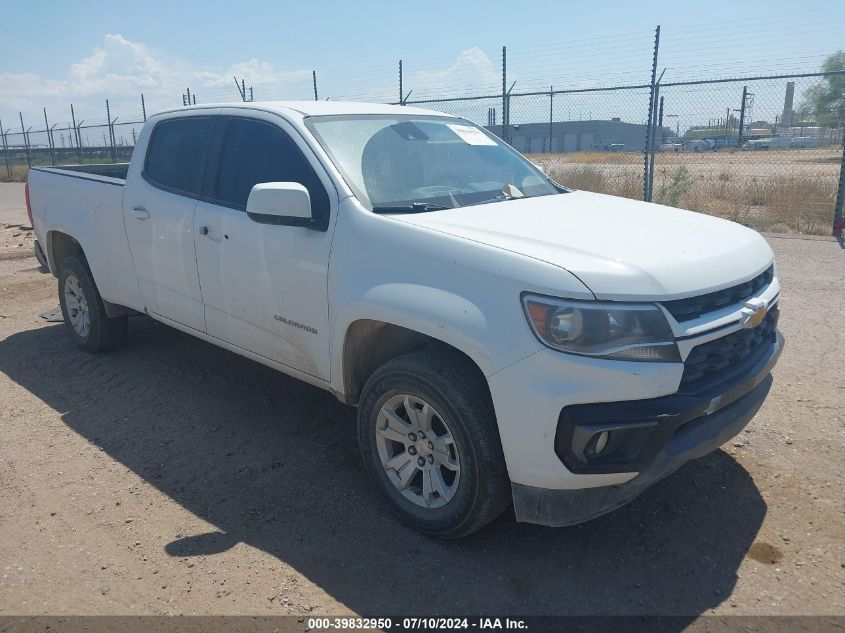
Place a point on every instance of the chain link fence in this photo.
(766, 151)
(754, 150)
(72, 142)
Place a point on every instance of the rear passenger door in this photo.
(265, 285)
(158, 206)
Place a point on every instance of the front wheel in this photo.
(429, 440)
(84, 312)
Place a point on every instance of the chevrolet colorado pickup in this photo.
(506, 340)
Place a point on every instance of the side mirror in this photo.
(541, 168)
(282, 203)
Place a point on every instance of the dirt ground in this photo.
(172, 477)
(12, 203)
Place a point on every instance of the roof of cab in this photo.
(321, 108)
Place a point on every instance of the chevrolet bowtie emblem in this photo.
(753, 313)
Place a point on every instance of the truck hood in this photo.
(619, 248)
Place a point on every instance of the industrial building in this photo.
(579, 136)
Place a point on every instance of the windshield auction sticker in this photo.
(471, 135)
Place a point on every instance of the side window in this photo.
(176, 154)
(254, 152)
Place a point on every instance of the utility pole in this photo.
(742, 116)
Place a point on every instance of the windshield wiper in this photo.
(414, 207)
(509, 192)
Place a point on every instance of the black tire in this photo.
(103, 333)
(457, 391)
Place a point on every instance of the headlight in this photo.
(621, 331)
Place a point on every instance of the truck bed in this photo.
(86, 203)
(112, 171)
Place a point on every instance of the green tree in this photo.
(825, 102)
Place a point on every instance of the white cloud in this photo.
(472, 71)
(120, 70)
(257, 73)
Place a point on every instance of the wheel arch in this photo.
(61, 245)
(370, 343)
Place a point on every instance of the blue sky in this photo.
(88, 51)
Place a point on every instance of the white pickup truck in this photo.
(505, 339)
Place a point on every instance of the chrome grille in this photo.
(711, 362)
(694, 307)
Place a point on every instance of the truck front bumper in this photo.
(663, 434)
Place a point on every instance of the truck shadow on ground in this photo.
(273, 463)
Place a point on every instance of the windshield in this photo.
(423, 163)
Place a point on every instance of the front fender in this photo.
(434, 312)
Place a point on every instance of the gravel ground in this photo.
(174, 477)
(12, 203)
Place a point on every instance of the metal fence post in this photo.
(76, 134)
(6, 152)
(551, 115)
(49, 131)
(111, 132)
(658, 104)
(838, 219)
(505, 94)
(80, 141)
(25, 142)
(650, 123)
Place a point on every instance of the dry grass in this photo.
(790, 191)
(19, 173)
(791, 204)
(627, 183)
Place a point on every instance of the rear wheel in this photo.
(84, 312)
(429, 439)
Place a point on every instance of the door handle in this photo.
(203, 230)
(140, 213)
